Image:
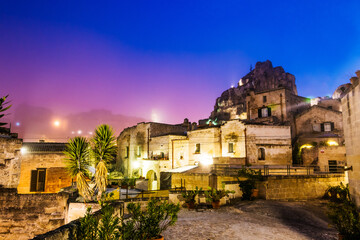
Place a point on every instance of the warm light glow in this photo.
(90, 133)
(56, 123)
(136, 164)
(332, 143)
(79, 132)
(308, 146)
(206, 159)
(155, 116)
(23, 150)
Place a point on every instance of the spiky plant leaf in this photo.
(103, 151)
(77, 163)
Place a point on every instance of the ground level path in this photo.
(259, 219)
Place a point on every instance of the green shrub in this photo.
(213, 195)
(190, 195)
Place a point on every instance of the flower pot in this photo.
(158, 238)
(124, 187)
(255, 193)
(191, 205)
(216, 205)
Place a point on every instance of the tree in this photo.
(3, 107)
(104, 151)
(77, 164)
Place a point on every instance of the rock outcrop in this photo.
(263, 77)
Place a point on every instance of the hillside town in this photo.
(292, 148)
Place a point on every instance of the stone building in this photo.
(232, 142)
(351, 119)
(319, 136)
(43, 168)
(10, 159)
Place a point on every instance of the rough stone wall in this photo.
(158, 129)
(10, 161)
(209, 140)
(299, 187)
(276, 140)
(316, 115)
(56, 175)
(192, 180)
(233, 132)
(327, 153)
(330, 103)
(351, 120)
(24, 216)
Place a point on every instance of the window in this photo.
(264, 99)
(197, 149)
(327, 127)
(127, 152)
(316, 127)
(38, 177)
(231, 147)
(261, 153)
(138, 151)
(264, 112)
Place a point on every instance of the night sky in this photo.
(162, 60)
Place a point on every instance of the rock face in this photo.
(263, 77)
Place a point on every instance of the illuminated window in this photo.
(38, 177)
(197, 149)
(316, 127)
(231, 147)
(261, 153)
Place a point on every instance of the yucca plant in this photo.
(104, 151)
(77, 163)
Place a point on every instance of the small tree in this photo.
(77, 164)
(104, 151)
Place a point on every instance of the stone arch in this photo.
(152, 180)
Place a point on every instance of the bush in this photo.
(343, 212)
(190, 195)
(213, 195)
(248, 185)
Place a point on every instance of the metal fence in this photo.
(277, 170)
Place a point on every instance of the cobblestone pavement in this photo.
(255, 220)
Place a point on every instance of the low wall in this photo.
(299, 187)
(24, 216)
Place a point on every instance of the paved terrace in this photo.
(255, 220)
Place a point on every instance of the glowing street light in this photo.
(17, 124)
(23, 150)
(56, 123)
(79, 132)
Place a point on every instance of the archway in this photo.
(152, 180)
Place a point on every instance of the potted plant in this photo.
(247, 186)
(214, 196)
(149, 224)
(189, 197)
(125, 183)
(132, 183)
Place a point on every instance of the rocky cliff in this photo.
(263, 77)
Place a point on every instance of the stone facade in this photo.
(47, 158)
(351, 120)
(232, 102)
(299, 187)
(24, 216)
(10, 160)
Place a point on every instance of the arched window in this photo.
(261, 153)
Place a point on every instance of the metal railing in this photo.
(277, 170)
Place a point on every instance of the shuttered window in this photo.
(38, 178)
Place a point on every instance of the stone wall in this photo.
(351, 120)
(24, 216)
(9, 161)
(299, 187)
(56, 174)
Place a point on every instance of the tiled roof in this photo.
(35, 147)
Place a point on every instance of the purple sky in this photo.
(165, 61)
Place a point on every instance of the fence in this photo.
(279, 170)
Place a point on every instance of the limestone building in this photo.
(351, 118)
(43, 168)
